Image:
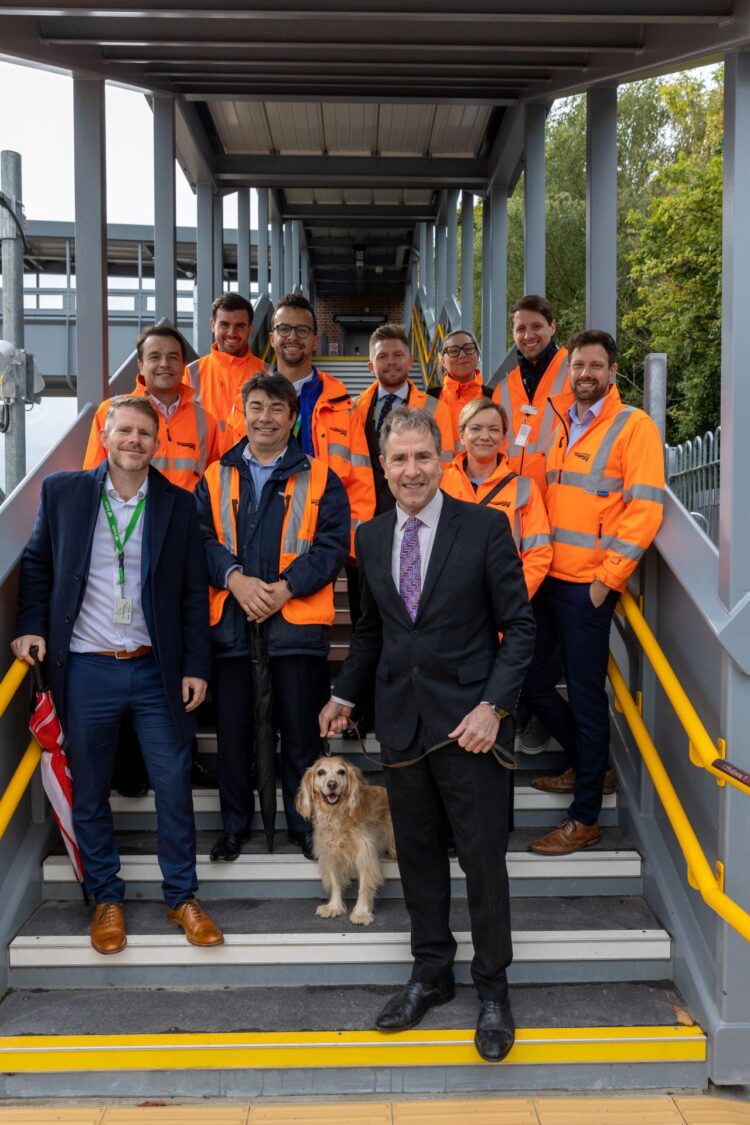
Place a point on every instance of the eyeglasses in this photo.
(454, 350)
(301, 331)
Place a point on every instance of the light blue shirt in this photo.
(578, 426)
(259, 473)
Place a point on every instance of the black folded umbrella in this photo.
(264, 731)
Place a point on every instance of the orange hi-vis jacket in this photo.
(338, 442)
(521, 503)
(528, 460)
(188, 442)
(302, 495)
(605, 496)
(217, 379)
(418, 400)
(455, 395)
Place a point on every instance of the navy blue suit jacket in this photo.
(55, 566)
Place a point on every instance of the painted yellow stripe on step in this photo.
(533, 1046)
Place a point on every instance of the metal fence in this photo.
(693, 475)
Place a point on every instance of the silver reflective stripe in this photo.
(583, 480)
(549, 418)
(573, 538)
(225, 508)
(622, 547)
(193, 370)
(430, 405)
(356, 523)
(339, 451)
(201, 426)
(186, 463)
(504, 399)
(446, 456)
(517, 529)
(523, 491)
(528, 542)
(160, 463)
(220, 424)
(644, 492)
(361, 461)
(293, 545)
(596, 478)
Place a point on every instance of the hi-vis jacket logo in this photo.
(582, 456)
(504, 503)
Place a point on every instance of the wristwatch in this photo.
(498, 711)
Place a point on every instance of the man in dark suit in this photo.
(440, 578)
(114, 593)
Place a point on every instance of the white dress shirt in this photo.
(94, 629)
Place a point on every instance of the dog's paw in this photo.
(362, 917)
(330, 910)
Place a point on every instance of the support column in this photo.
(467, 261)
(277, 260)
(263, 278)
(499, 282)
(304, 263)
(288, 267)
(487, 368)
(296, 255)
(441, 259)
(243, 242)
(13, 323)
(218, 257)
(422, 236)
(165, 209)
(90, 160)
(732, 1043)
(451, 231)
(204, 295)
(534, 201)
(601, 209)
(429, 274)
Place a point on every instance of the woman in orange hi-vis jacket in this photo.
(482, 475)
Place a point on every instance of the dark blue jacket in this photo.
(55, 566)
(259, 537)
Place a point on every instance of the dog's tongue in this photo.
(332, 798)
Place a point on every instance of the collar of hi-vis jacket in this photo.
(459, 390)
(613, 404)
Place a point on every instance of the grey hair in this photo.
(409, 418)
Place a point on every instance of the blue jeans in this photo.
(99, 692)
(565, 615)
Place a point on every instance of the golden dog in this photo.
(352, 829)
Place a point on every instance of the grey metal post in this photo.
(90, 162)
(304, 264)
(205, 280)
(499, 280)
(277, 260)
(13, 327)
(732, 1042)
(165, 212)
(441, 261)
(243, 242)
(429, 273)
(601, 209)
(288, 266)
(534, 201)
(655, 389)
(296, 253)
(451, 220)
(218, 255)
(422, 236)
(262, 241)
(467, 261)
(486, 291)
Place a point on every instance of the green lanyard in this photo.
(120, 543)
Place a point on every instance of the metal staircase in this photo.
(355, 374)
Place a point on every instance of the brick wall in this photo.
(330, 305)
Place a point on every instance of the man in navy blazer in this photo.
(114, 594)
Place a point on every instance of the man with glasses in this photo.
(462, 379)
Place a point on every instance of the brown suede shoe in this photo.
(568, 837)
(200, 929)
(108, 928)
(565, 782)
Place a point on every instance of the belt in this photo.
(142, 650)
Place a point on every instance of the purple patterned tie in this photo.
(410, 567)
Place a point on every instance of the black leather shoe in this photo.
(200, 776)
(408, 1006)
(496, 1030)
(228, 847)
(304, 841)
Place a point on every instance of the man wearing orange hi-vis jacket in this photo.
(605, 492)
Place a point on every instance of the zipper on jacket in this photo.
(564, 436)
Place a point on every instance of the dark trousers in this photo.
(565, 615)
(466, 794)
(301, 688)
(364, 712)
(101, 692)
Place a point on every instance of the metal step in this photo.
(612, 867)
(275, 942)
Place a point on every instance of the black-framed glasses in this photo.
(301, 331)
(455, 350)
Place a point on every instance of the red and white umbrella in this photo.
(57, 779)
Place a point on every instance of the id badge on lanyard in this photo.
(524, 430)
(123, 607)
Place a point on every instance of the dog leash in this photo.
(502, 756)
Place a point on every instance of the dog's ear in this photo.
(354, 784)
(303, 802)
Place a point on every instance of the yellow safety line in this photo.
(700, 874)
(344, 1049)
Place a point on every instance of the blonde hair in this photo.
(135, 402)
(475, 406)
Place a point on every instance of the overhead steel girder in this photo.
(353, 171)
(352, 215)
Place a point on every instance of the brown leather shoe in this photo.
(568, 837)
(565, 782)
(200, 929)
(108, 928)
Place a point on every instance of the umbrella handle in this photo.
(36, 669)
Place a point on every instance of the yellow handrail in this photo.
(703, 752)
(428, 359)
(706, 882)
(11, 798)
(11, 682)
